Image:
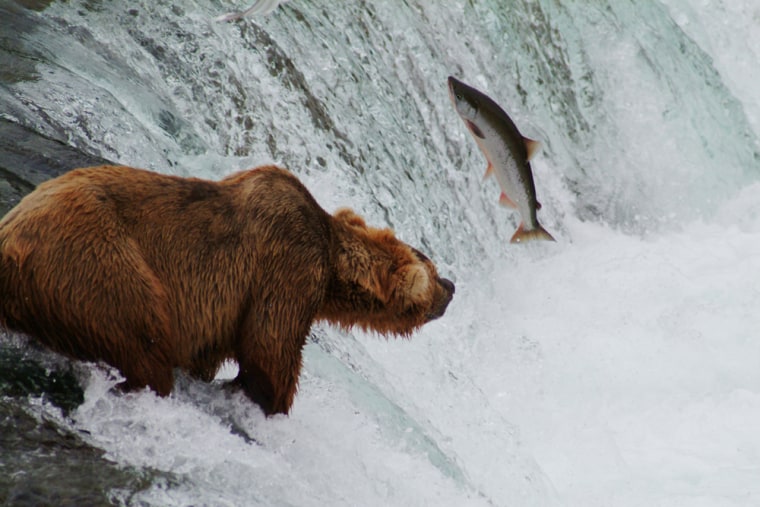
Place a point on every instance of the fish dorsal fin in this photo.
(531, 146)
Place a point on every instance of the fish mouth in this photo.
(452, 96)
(452, 82)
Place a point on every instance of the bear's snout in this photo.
(448, 285)
(444, 293)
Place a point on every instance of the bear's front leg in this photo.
(270, 361)
(272, 388)
(260, 388)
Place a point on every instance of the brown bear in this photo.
(151, 272)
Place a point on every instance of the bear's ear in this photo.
(348, 217)
(356, 264)
(358, 260)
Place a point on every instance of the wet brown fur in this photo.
(149, 272)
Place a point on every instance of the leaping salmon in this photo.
(508, 154)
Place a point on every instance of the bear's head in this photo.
(380, 283)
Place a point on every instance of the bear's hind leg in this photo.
(138, 334)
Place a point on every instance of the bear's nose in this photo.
(443, 302)
(448, 285)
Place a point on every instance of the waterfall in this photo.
(649, 135)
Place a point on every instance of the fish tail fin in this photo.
(523, 235)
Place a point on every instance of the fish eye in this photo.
(458, 95)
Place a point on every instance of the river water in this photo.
(615, 367)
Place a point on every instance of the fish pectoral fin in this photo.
(489, 171)
(505, 201)
(475, 130)
(531, 146)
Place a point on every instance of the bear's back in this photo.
(267, 205)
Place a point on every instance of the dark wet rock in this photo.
(36, 5)
(22, 376)
(38, 457)
(27, 158)
(44, 462)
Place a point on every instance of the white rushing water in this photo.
(617, 367)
